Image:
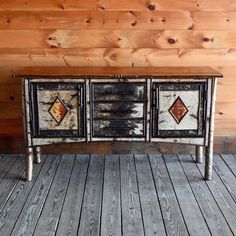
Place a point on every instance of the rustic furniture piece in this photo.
(174, 105)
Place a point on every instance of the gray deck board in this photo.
(214, 217)
(173, 219)
(152, 216)
(91, 209)
(227, 177)
(193, 217)
(6, 163)
(69, 220)
(111, 206)
(13, 207)
(10, 181)
(28, 218)
(131, 211)
(49, 218)
(223, 198)
(114, 195)
(230, 160)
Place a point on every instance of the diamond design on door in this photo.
(178, 110)
(58, 110)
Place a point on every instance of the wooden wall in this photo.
(117, 33)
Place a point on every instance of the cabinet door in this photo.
(179, 109)
(118, 109)
(57, 109)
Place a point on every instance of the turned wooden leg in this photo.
(199, 154)
(37, 155)
(29, 164)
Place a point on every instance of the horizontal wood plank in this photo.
(122, 5)
(145, 57)
(162, 39)
(148, 20)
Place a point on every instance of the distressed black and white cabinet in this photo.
(174, 105)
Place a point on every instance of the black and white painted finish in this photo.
(118, 109)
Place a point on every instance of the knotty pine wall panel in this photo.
(116, 33)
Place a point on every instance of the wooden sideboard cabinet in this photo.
(173, 105)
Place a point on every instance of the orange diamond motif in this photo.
(58, 110)
(178, 110)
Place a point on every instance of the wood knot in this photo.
(205, 39)
(8, 21)
(163, 20)
(12, 98)
(151, 7)
(102, 8)
(88, 21)
(221, 113)
(152, 20)
(171, 41)
(134, 23)
(61, 6)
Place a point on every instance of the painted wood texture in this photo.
(132, 33)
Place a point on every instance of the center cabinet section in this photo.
(119, 110)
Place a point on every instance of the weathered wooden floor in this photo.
(117, 195)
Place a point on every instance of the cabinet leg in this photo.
(37, 155)
(29, 164)
(199, 154)
(208, 162)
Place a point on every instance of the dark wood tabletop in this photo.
(169, 72)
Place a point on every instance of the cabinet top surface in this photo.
(173, 72)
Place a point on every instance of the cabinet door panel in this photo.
(179, 109)
(58, 109)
